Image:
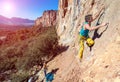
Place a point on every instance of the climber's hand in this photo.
(104, 24)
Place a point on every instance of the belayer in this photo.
(49, 77)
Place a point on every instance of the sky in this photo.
(30, 9)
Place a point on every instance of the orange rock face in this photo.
(47, 19)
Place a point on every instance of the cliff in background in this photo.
(48, 18)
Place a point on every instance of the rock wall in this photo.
(47, 19)
(101, 64)
(71, 15)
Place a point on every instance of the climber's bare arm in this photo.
(86, 26)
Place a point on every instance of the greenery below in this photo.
(18, 55)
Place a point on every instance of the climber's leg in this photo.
(80, 55)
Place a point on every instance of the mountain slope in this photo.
(15, 21)
(19, 54)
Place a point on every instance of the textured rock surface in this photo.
(71, 15)
(99, 68)
(101, 64)
(47, 19)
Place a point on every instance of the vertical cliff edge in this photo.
(48, 18)
(101, 64)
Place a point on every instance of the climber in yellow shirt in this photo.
(83, 34)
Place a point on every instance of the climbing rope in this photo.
(67, 69)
